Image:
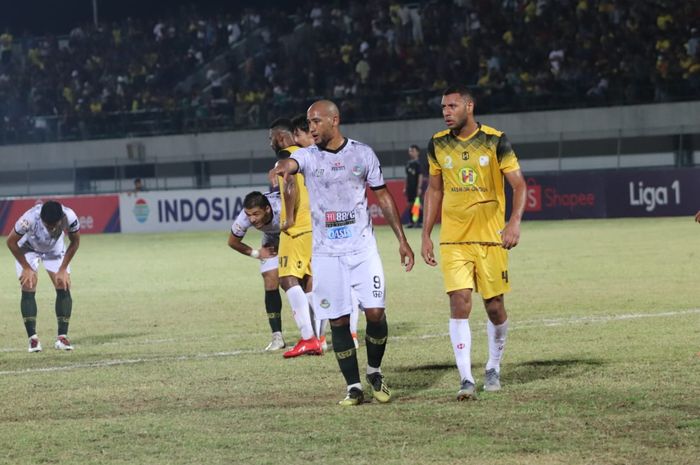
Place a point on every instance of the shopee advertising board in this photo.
(97, 213)
(185, 210)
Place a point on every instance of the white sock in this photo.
(356, 385)
(300, 310)
(461, 337)
(371, 370)
(354, 314)
(319, 325)
(320, 328)
(497, 343)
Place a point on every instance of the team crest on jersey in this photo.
(357, 170)
(448, 162)
(465, 155)
(484, 160)
(467, 176)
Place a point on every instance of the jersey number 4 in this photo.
(504, 276)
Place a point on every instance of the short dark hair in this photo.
(256, 199)
(414, 146)
(51, 212)
(460, 89)
(282, 123)
(300, 122)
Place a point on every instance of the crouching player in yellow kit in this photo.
(467, 164)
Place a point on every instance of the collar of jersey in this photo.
(478, 128)
(342, 146)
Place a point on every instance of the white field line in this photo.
(525, 324)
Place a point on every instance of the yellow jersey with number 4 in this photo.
(472, 168)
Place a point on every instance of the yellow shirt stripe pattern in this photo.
(302, 209)
(473, 204)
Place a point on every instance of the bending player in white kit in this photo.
(262, 211)
(337, 171)
(38, 236)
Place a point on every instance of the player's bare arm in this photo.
(433, 200)
(697, 217)
(62, 277)
(28, 277)
(283, 168)
(290, 200)
(237, 244)
(391, 215)
(511, 233)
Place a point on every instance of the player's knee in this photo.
(375, 315)
(288, 282)
(460, 304)
(342, 321)
(495, 307)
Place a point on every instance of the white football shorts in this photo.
(269, 264)
(336, 278)
(51, 260)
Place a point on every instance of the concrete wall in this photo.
(548, 126)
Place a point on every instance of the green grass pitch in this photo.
(602, 363)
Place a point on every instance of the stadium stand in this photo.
(380, 60)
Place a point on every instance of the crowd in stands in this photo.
(384, 59)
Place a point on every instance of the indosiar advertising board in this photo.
(184, 210)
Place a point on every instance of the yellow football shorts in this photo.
(483, 268)
(295, 255)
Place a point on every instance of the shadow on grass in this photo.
(419, 377)
(403, 328)
(534, 370)
(108, 338)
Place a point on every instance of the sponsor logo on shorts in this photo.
(325, 303)
(377, 294)
(141, 210)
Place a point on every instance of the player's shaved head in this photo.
(324, 108)
(324, 122)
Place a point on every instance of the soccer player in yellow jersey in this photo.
(295, 242)
(468, 162)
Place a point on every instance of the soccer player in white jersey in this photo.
(38, 236)
(262, 211)
(259, 212)
(337, 171)
(303, 138)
